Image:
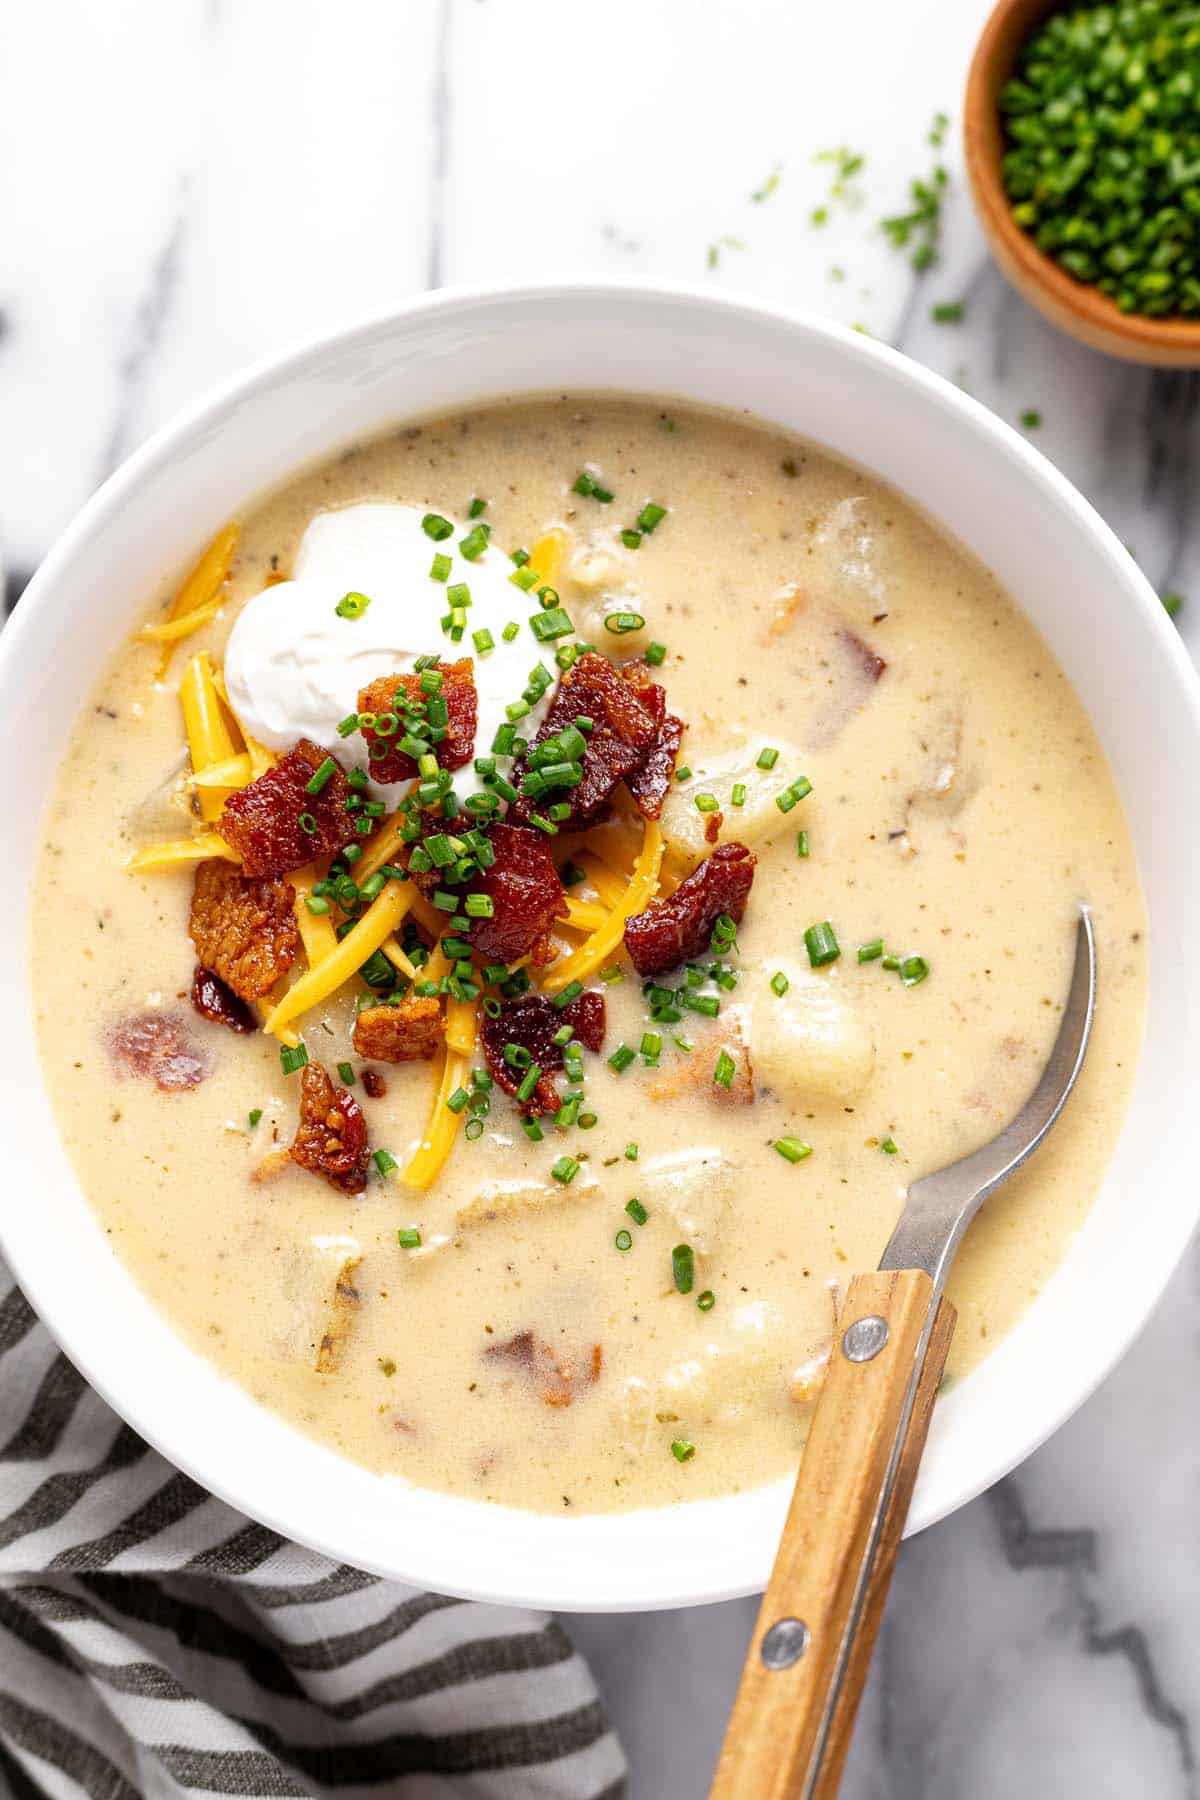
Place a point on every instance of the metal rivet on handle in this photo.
(865, 1338)
(785, 1642)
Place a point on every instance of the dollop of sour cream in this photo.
(294, 666)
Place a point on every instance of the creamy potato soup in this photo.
(513, 924)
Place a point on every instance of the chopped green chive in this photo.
(779, 983)
(1030, 419)
(483, 641)
(683, 1450)
(257, 1114)
(792, 1149)
(321, 776)
(707, 803)
(621, 622)
(706, 1301)
(636, 1211)
(352, 606)
(948, 312)
(631, 1154)
(565, 1170)
(802, 843)
(738, 795)
(683, 1267)
(793, 793)
(292, 1057)
(913, 970)
(890, 1147)
(1172, 604)
(408, 1237)
(623, 1239)
(768, 758)
(439, 569)
(655, 654)
(316, 903)
(821, 943)
(870, 952)
(436, 527)
(725, 1070)
(477, 508)
(621, 1058)
(510, 631)
(631, 539)
(651, 516)
(475, 543)
(346, 1072)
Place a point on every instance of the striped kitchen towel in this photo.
(152, 1640)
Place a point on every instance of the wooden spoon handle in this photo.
(808, 1659)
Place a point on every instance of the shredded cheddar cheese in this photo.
(199, 596)
(546, 557)
(429, 1158)
(380, 847)
(210, 739)
(235, 772)
(179, 852)
(608, 885)
(316, 929)
(395, 955)
(640, 890)
(461, 1019)
(585, 915)
(377, 923)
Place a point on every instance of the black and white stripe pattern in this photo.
(153, 1641)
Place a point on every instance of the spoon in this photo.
(808, 1659)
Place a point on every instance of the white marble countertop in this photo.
(196, 184)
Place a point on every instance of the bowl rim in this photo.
(157, 1426)
(991, 65)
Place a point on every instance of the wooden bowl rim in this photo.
(983, 143)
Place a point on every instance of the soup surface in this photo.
(613, 1284)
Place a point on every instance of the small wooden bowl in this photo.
(1072, 305)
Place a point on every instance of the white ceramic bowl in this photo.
(991, 489)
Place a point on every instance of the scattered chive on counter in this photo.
(1102, 150)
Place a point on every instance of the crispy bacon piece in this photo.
(156, 1045)
(374, 1086)
(557, 1376)
(213, 1000)
(262, 821)
(526, 894)
(331, 1137)
(675, 930)
(244, 930)
(456, 748)
(651, 783)
(405, 1033)
(531, 1022)
(623, 735)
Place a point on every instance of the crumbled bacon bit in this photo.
(557, 1376)
(526, 894)
(262, 821)
(405, 1033)
(623, 735)
(531, 1021)
(374, 1086)
(244, 930)
(674, 930)
(214, 1000)
(331, 1137)
(455, 749)
(156, 1045)
(712, 827)
(651, 783)
(868, 660)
